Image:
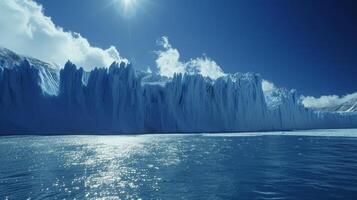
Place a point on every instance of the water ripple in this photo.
(178, 167)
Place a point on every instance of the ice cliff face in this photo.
(48, 73)
(37, 98)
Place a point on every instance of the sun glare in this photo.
(128, 7)
(128, 3)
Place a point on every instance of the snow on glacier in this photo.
(38, 98)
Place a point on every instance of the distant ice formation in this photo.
(37, 97)
(334, 103)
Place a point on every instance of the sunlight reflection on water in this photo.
(112, 162)
(195, 166)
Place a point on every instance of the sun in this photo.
(128, 4)
(128, 7)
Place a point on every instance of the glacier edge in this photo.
(118, 100)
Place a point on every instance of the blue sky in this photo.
(307, 45)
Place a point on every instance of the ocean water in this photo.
(319, 164)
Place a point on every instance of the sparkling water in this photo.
(319, 164)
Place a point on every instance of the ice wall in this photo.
(34, 99)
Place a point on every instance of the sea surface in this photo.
(319, 164)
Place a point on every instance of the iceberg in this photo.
(38, 97)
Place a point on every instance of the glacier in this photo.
(41, 98)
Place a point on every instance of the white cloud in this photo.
(326, 101)
(268, 86)
(168, 60)
(168, 63)
(206, 67)
(26, 30)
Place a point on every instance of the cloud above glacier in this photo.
(26, 30)
(168, 63)
(268, 86)
(327, 100)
